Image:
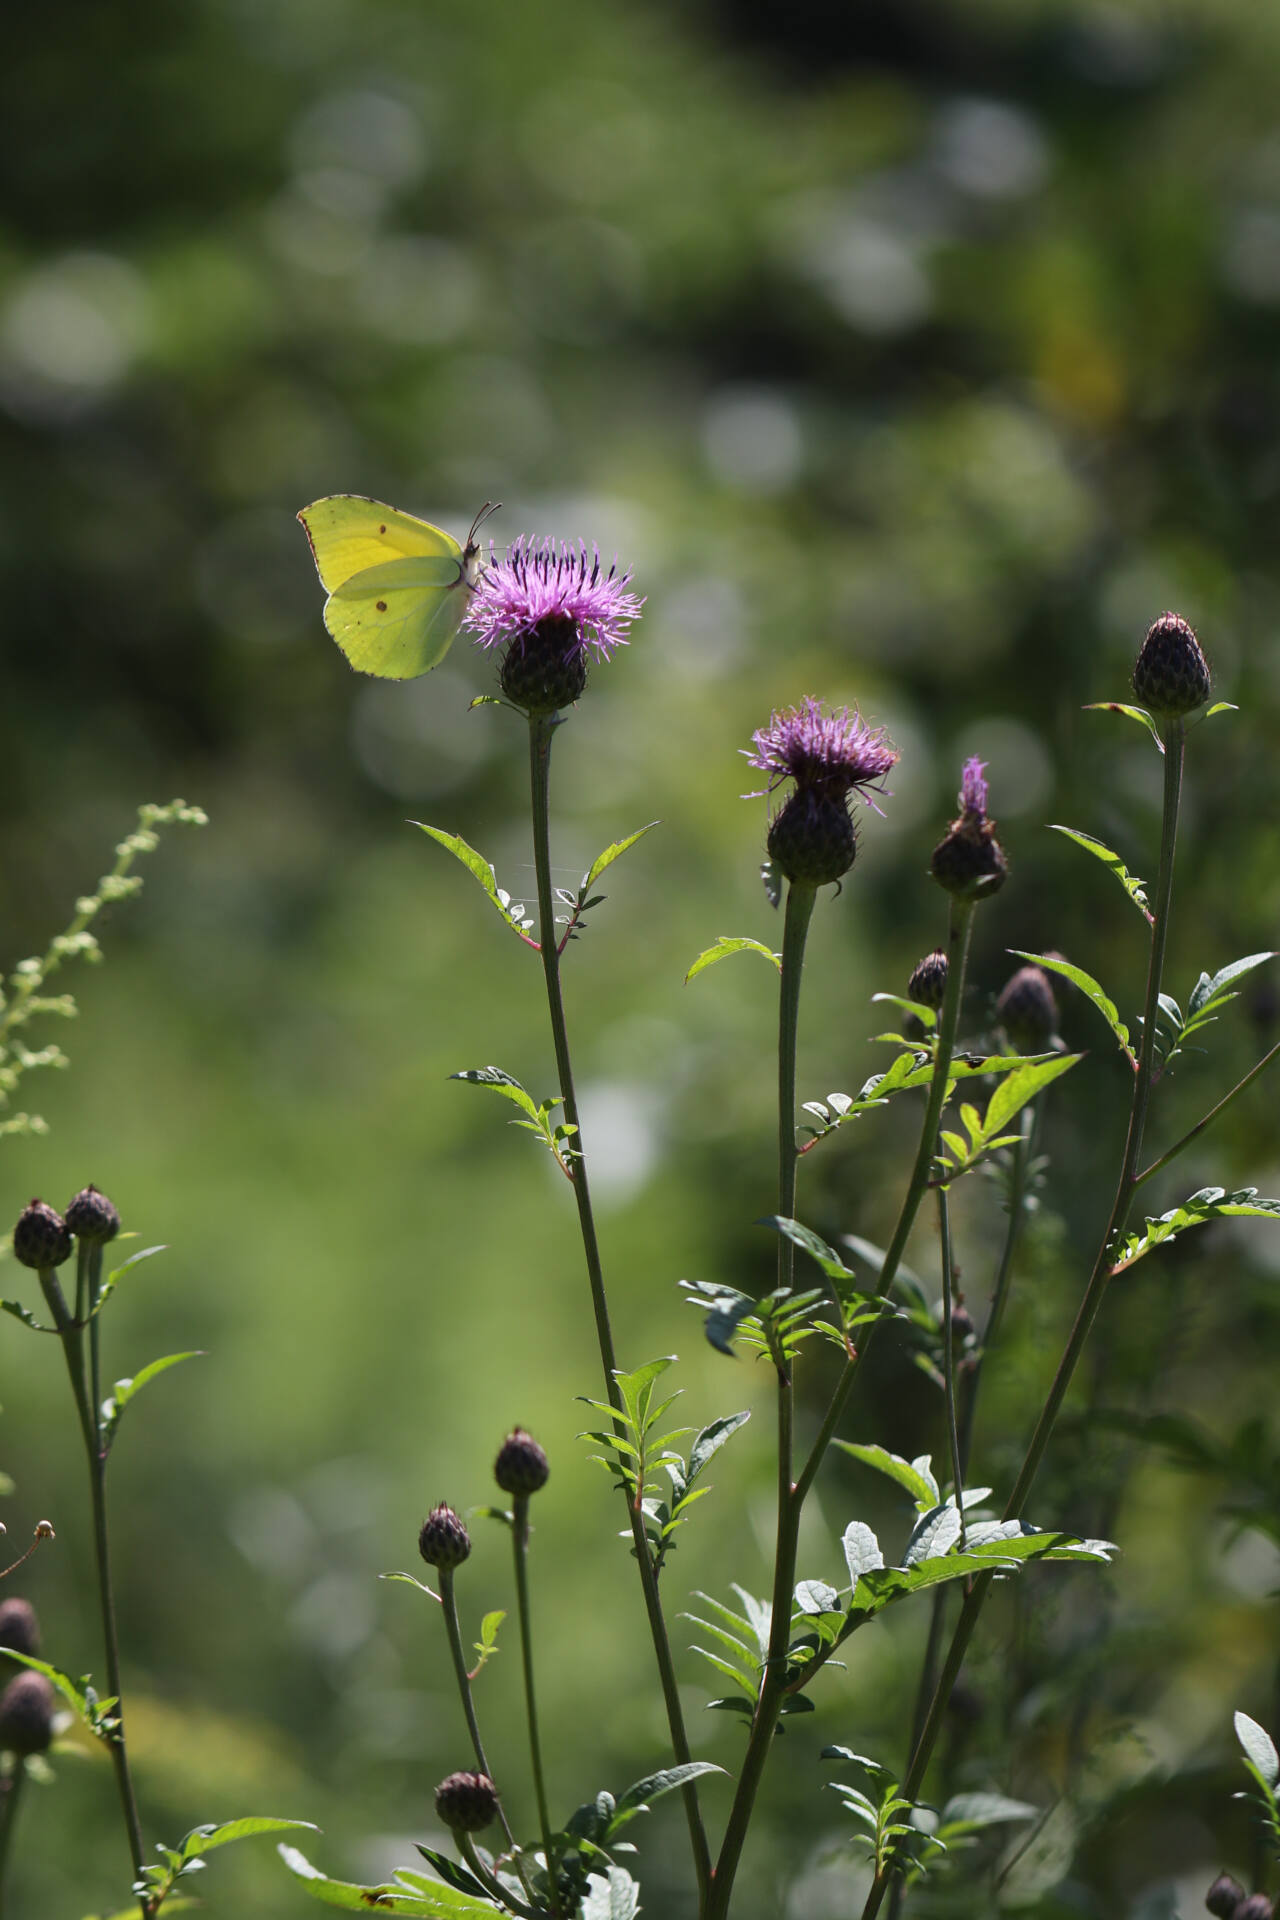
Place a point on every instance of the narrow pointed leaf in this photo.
(1139, 714)
(1089, 987)
(1135, 888)
(479, 868)
(912, 1475)
(725, 946)
(614, 852)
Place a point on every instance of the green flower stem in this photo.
(12, 1793)
(448, 1601)
(959, 929)
(72, 1339)
(541, 732)
(520, 1543)
(1095, 1291)
(995, 1313)
(949, 1353)
(467, 1848)
(1194, 1133)
(799, 911)
(94, 1295)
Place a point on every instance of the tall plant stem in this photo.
(949, 1354)
(1095, 1291)
(541, 732)
(453, 1632)
(995, 1313)
(71, 1335)
(12, 1792)
(520, 1544)
(959, 929)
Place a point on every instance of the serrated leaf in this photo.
(28, 1319)
(1135, 888)
(917, 1480)
(611, 1896)
(727, 945)
(1259, 1747)
(1210, 1203)
(1091, 990)
(502, 1083)
(861, 1549)
(614, 852)
(443, 1903)
(711, 1439)
(1139, 714)
(638, 1797)
(479, 868)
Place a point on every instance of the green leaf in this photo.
(202, 1840)
(1207, 990)
(611, 1896)
(440, 1904)
(818, 1250)
(914, 1475)
(969, 1812)
(1139, 714)
(127, 1390)
(28, 1319)
(117, 1274)
(639, 1797)
(613, 852)
(78, 1695)
(861, 1550)
(479, 868)
(1259, 1748)
(1219, 706)
(1013, 1093)
(1089, 988)
(724, 1307)
(927, 1016)
(1211, 1203)
(711, 1439)
(726, 945)
(1135, 888)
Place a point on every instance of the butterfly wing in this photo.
(397, 585)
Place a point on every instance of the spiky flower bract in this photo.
(969, 861)
(928, 983)
(550, 607)
(443, 1540)
(1171, 674)
(521, 1467)
(91, 1216)
(829, 756)
(40, 1238)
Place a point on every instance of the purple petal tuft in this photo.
(973, 787)
(836, 751)
(546, 580)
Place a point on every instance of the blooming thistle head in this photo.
(969, 861)
(550, 607)
(829, 756)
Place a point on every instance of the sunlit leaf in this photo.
(1134, 887)
(726, 945)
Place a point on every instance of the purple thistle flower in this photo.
(973, 787)
(546, 581)
(835, 752)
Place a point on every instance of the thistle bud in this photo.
(19, 1628)
(928, 983)
(1255, 1907)
(26, 1714)
(1027, 1010)
(969, 861)
(92, 1217)
(811, 837)
(1224, 1897)
(962, 1326)
(545, 668)
(40, 1238)
(1171, 675)
(466, 1802)
(521, 1466)
(443, 1541)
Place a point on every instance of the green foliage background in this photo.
(913, 354)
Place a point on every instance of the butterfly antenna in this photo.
(486, 512)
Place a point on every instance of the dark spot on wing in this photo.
(381, 529)
(381, 605)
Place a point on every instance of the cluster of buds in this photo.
(521, 1469)
(43, 1238)
(27, 1702)
(1228, 1900)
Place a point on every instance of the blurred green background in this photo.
(912, 353)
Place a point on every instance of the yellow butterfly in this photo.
(398, 587)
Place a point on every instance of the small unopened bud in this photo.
(44, 1530)
(91, 1216)
(1255, 1907)
(1027, 1010)
(521, 1466)
(443, 1542)
(40, 1238)
(545, 668)
(928, 983)
(26, 1714)
(811, 837)
(1171, 674)
(962, 1326)
(969, 861)
(466, 1802)
(1224, 1897)
(19, 1628)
